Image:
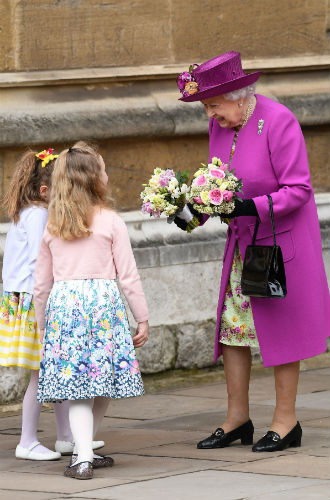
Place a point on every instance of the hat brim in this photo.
(225, 87)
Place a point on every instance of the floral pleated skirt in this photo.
(19, 333)
(87, 349)
(237, 325)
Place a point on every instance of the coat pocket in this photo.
(284, 239)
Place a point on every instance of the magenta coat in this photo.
(275, 162)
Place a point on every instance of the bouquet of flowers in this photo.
(165, 193)
(214, 189)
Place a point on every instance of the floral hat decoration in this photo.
(186, 82)
(217, 76)
(46, 156)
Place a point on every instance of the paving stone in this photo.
(138, 467)
(54, 482)
(262, 387)
(316, 422)
(153, 440)
(110, 422)
(121, 440)
(315, 492)
(209, 485)
(216, 391)
(288, 465)
(160, 406)
(233, 453)
(25, 495)
(320, 400)
(208, 421)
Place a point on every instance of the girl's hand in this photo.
(42, 334)
(141, 335)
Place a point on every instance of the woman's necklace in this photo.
(249, 111)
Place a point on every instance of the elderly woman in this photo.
(263, 141)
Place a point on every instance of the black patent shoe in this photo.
(83, 470)
(273, 442)
(220, 439)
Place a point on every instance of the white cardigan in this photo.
(22, 248)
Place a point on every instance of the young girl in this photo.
(26, 202)
(88, 352)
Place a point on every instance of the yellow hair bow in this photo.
(46, 156)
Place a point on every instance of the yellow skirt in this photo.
(19, 332)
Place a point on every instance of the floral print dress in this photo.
(237, 325)
(87, 349)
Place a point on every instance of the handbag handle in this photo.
(256, 227)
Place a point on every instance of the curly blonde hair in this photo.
(77, 190)
(24, 188)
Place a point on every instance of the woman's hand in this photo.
(242, 207)
(141, 335)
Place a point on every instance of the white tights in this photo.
(31, 412)
(85, 418)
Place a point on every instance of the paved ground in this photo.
(153, 440)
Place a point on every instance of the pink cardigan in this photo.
(105, 254)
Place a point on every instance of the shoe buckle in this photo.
(218, 432)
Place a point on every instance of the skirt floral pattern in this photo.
(237, 325)
(87, 349)
(19, 333)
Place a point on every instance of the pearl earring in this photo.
(240, 104)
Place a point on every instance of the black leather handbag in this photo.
(263, 272)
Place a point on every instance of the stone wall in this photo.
(97, 33)
(105, 71)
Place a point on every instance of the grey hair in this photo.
(244, 92)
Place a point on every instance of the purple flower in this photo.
(163, 180)
(182, 79)
(169, 173)
(146, 208)
(245, 305)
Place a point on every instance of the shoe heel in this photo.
(296, 443)
(247, 439)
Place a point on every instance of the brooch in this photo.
(260, 125)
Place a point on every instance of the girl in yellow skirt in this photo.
(26, 202)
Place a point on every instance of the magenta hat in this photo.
(217, 76)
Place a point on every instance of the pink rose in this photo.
(217, 173)
(224, 167)
(163, 180)
(201, 180)
(169, 173)
(227, 195)
(215, 196)
(199, 200)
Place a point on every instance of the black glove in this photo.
(242, 207)
(182, 224)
